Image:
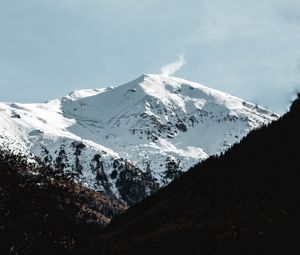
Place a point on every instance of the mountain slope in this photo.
(243, 202)
(43, 212)
(130, 140)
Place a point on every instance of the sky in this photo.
(250, 49)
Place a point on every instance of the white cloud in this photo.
(173, 67)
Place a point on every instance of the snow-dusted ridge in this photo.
(129, 140)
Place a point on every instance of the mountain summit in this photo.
(128, 141)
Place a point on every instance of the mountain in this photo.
(245, 201)
(130, 140)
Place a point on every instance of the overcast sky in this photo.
(248, 48)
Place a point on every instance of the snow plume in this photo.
(173, 67)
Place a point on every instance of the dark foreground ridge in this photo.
(243, 202)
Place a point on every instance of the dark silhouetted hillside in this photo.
(243, 202)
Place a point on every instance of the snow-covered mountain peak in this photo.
(136, 136)
(83, 93)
